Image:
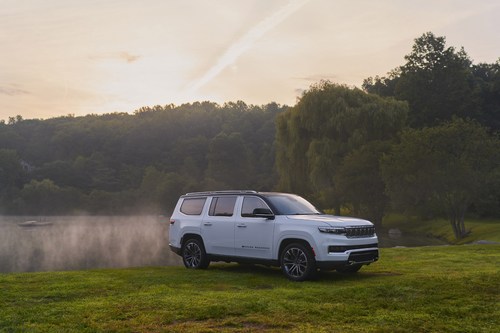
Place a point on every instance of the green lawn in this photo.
(428, 289)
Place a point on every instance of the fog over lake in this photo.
(72, 243)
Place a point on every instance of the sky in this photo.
(78, 57)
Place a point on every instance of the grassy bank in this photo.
(440, 229)
(431, 289)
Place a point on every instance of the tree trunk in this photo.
(336, 209)
(457, 220)
(454, 227)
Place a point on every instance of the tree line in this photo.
(122, 163)
(421, 140)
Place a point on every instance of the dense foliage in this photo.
(122, 163)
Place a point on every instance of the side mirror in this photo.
(263, 212)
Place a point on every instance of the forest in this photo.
(121, 163)
(422, 140)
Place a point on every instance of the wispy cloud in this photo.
(13, 91)
(121, 56)
(319, 77)
(235, 50)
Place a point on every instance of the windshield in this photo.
(289, 204)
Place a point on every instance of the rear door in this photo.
(217, 227)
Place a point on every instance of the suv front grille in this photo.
(356, 232)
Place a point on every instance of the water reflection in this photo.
(71, 243)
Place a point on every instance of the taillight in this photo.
(172, 221)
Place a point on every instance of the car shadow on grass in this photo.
(255, 270)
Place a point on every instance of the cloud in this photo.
(13, 91)
(319, 77)
(245, 42)
(129, 57)
(121, 56)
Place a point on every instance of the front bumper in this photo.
(352, 258)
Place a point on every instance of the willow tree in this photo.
(330, 121)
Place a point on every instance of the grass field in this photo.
(428, 289)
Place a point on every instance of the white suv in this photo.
(277, 229)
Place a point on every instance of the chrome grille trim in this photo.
(360, 232)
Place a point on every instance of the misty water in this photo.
(73, 243)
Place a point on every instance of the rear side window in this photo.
(222, 206)
(193, 206)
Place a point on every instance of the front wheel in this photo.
(194, 255)
(297, 262)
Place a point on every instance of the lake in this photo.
(82, 242)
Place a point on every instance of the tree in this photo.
(327, 124)
(44, 197)
(360, 182)
(12, 177)
(442, 169)
(487, 93)
(228, 161)
(11, 171)
(436, 80)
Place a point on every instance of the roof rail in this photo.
(221, 192)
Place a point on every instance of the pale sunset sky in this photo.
(61, 57)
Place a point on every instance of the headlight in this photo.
(330, 230)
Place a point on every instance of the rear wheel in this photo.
(194, 255)
(297, 262)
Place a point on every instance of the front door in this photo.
(253, 236)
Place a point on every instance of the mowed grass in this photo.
(428, 289)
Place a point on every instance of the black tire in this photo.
(349, 269)
(194, 255)
(297, 262)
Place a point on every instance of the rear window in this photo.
(222, 206)
(193, 206)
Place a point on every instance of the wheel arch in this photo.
(190, 235)
(287, 241)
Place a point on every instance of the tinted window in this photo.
(249, 204)
(222, 206)
(193, 206)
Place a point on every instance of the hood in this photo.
(331, 220)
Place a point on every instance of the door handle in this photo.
(207, 224)
(241, 225)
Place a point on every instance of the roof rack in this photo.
(221, 192)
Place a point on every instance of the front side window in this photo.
(193, 206)
(251, 203)
(222, 206)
